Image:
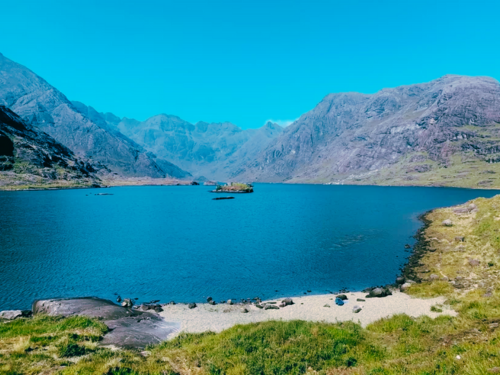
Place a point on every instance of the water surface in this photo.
(176, 243)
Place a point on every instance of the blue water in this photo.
(176, 243)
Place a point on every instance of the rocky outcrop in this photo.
(128, 328)
(45, 107)
(28, 156)
(407, 132)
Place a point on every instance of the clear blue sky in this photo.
(244, 61)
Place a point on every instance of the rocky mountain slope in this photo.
(445, 132)
(29, 157)
(42, 105)
(212, 150)
(110, 122)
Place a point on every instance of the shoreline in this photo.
(313, 308)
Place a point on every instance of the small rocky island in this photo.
(233, 187)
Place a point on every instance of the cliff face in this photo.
(42, 105)
(28, 156)
(405, 135)
(212, 150)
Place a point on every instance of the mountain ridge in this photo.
(352, 137)
(42, 105)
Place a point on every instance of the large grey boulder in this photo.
(128, 328)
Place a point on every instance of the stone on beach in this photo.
(356, 309)
(379, 293)
(127, 302)
(271, 307)
(191, 305)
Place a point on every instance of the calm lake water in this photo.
(176, 243)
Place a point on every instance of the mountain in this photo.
(110, 122)
(212, 150)
(29, 157)
(445, 132)
(42, 105)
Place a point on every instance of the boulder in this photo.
(211, 302)
(433, 277)
(191, 305)
(118, 299)
(259, 306)
(405, 286)
(244, 310)
(229, 301)
(447, 223)
(472, 207)
(127, 302)
(474, 262)
(327, 305)
(14, 314)
(379, 293)
(460, 238)
(130, 329)
(400, 280)
(339, 302)
(360, 300)
(407, 246)
(271, 307)
(356, 309)
(209, 299)
(287, 302)
(343, 297)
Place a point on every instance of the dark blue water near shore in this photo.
(176, 243)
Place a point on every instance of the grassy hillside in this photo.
(464, 270)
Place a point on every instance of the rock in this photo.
(460, 238)
(211, 302)
(229, 301)
(127, 302)
(360, 300)
(405, 286)
(259, 306)
(171, 303)
(192, 305)
(379, 292)
(339, 302)
(343, 297)
(287, 302)
(118, 299)
(128, 328)
(493, 325)
(411, 281)
(472, 207)
(209, 299)
(244, 310)
(407, 246)
(447, 223)
(474, 262)
(271, 307)
(400, 280)
(326, 305)
(356, 309)
(433, 277)
(494, 370)
(308, 291)
(14, 314)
